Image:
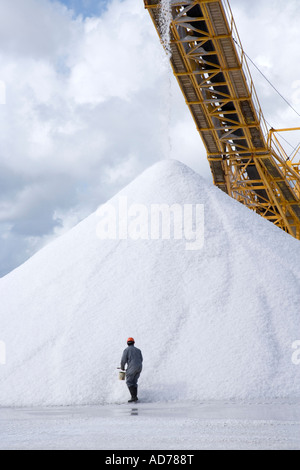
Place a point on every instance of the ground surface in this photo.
(154, 426)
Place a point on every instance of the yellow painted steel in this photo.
(246, 159)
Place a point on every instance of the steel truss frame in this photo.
(210, 65)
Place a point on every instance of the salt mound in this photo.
(212, 323)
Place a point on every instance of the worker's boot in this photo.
(133, 392)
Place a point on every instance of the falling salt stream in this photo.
(165, 19)
(165, 22)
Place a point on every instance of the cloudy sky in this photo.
(90, 103)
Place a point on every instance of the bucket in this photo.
(121, 375)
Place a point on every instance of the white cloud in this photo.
(269, 32)
(35, 28)
(116, 57)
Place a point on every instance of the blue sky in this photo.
(85, 7)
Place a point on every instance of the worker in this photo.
(132, 356)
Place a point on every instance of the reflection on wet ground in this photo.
(258, 424)
(280, 410)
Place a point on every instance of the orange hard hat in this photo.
(130, 340)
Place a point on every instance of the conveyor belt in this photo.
(211, 70)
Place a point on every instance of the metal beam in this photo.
(209, 63)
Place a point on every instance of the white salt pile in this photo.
(212, 323)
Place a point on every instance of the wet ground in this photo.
(153, 426)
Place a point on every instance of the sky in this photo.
(88, 102)
(85, 7)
